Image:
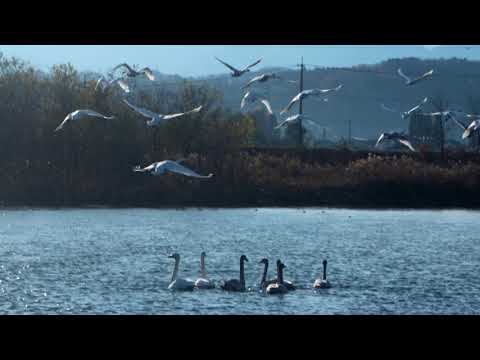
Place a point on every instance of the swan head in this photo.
(264, 261)
(324, 262)
(203, 254)
(243, 258)
(174, 256)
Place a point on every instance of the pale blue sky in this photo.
(196, 60)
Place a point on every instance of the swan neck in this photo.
(280, 275)
(242, 273)
(264, 276)
(175, 270)
(203, 271)
(324, 271)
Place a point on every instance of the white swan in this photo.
(237, 72)
(252, 96)
(162, 167)
(307, 93)
(159, 119)
(322, 283)
(105, 84)
(278, 287)
(236, 285)
(261, 79)
(178, 284)
(204, 282)
(394, 136)
(80, 114)
(410, 81)
(129, 72)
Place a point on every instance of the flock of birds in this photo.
(401, 138)
(255, 94)
(269, 286)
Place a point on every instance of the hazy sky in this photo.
(195, 60)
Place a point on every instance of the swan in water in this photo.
(80, 114)
(105, 84)
(159, 119)
(237, 72)
(252, 96)
(236, 284)
(410, 81)
(162, 167)
(278, 287)
(261, 79)
(129, 72)
(307, 93)
(264, 282)
(394, 136)
(204, 282)
(322, 283)
(176, 283)
(288, 284)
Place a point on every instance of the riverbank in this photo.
(266, 180)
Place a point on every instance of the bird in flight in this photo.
(169, 166)
(411, 81)
(159, 119)
(239, 72)
(80, 114)
(129, 72)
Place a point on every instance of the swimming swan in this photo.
(204, 282)
(176, 283)
(235, 284)
(322, 283)
(278, 287)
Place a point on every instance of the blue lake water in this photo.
(114, 261)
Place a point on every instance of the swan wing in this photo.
(144, 112)
(146, 169)
(380, 140)
(406, 143)
(255, 79)
(101, 83)
(319, 92)
(254, 64)
(60, 127)
(244, 100)
(400, 72)
(148, 73)
(267, 105)
(95, 114)
(124, 65)
(387, 108)
(123, 85)
(174, 167)
(292, 102)
(227, 65)
(470, 129)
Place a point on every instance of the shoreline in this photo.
(237, 206)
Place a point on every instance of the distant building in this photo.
(426, 131)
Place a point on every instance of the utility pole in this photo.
(300, 111)
(349, 131)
